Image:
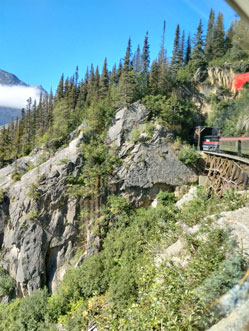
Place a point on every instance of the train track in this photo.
(230, 156)
(226, 170)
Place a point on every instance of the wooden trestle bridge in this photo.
(226, 170)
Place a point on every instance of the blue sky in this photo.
(41, 39)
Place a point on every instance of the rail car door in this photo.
(239, 148)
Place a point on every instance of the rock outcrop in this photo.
(38, 227)
(149, 163)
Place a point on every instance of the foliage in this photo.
(166, 198)
(7, 284)
(176, 112)
(16, 176)
(204, 205)
(149, 130)
(135, 135)
(2, 195)
(122, 286)
(231, 116)
(33, 191)
(188, 155)
(33, 215)
(26, 314)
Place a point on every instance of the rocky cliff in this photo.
(38, 219)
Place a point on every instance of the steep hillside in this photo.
(91, 234)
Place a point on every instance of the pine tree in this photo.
(154, 77)
(188, 51)
(76, 76)
(91, 86)
(164, 80)
(137, 60)
(219, 37)
(113, 76)
(60, 89)
(176, 46)
(127, 88)
(240, 40)
(197, 52)
(145, 57)
(162, 53)
(208, 47)
(229, 38)
(104, 81)
(197, 55)
(180, 60)
(127, 61)
(119, 71)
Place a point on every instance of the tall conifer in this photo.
(127, 59)
(162, 53)
(145, 57)
(219, 37)
(104, 81)
(208, 47)
(188, 50)
(176, 46)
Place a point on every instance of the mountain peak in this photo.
(7, 78)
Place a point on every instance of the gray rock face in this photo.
(38, 228)
(125, 120)
(148, 164)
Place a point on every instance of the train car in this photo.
(210, 144)
(230, 145)
(245, 146)
(235, 145)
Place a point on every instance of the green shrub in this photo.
(135, 135)
(16, 176)
(166, 198)
(188, 155)
(7, 284)
(33, 216)
(33, 192)
(2, 194)
(32, 310)
(149, 130)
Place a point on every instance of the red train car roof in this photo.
(234, 138)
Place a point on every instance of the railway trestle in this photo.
(224, 171)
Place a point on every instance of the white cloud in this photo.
(17, 96)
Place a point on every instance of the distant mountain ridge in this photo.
(9, 81)
(7, 78)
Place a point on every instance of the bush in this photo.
(7, 284)
(33, 216)
(135, 135)
(16, 176)
(166, 198)
(32, 310)
(33, 192)
(188, 155)
(2, 193)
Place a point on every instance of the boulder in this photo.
(149, 163)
